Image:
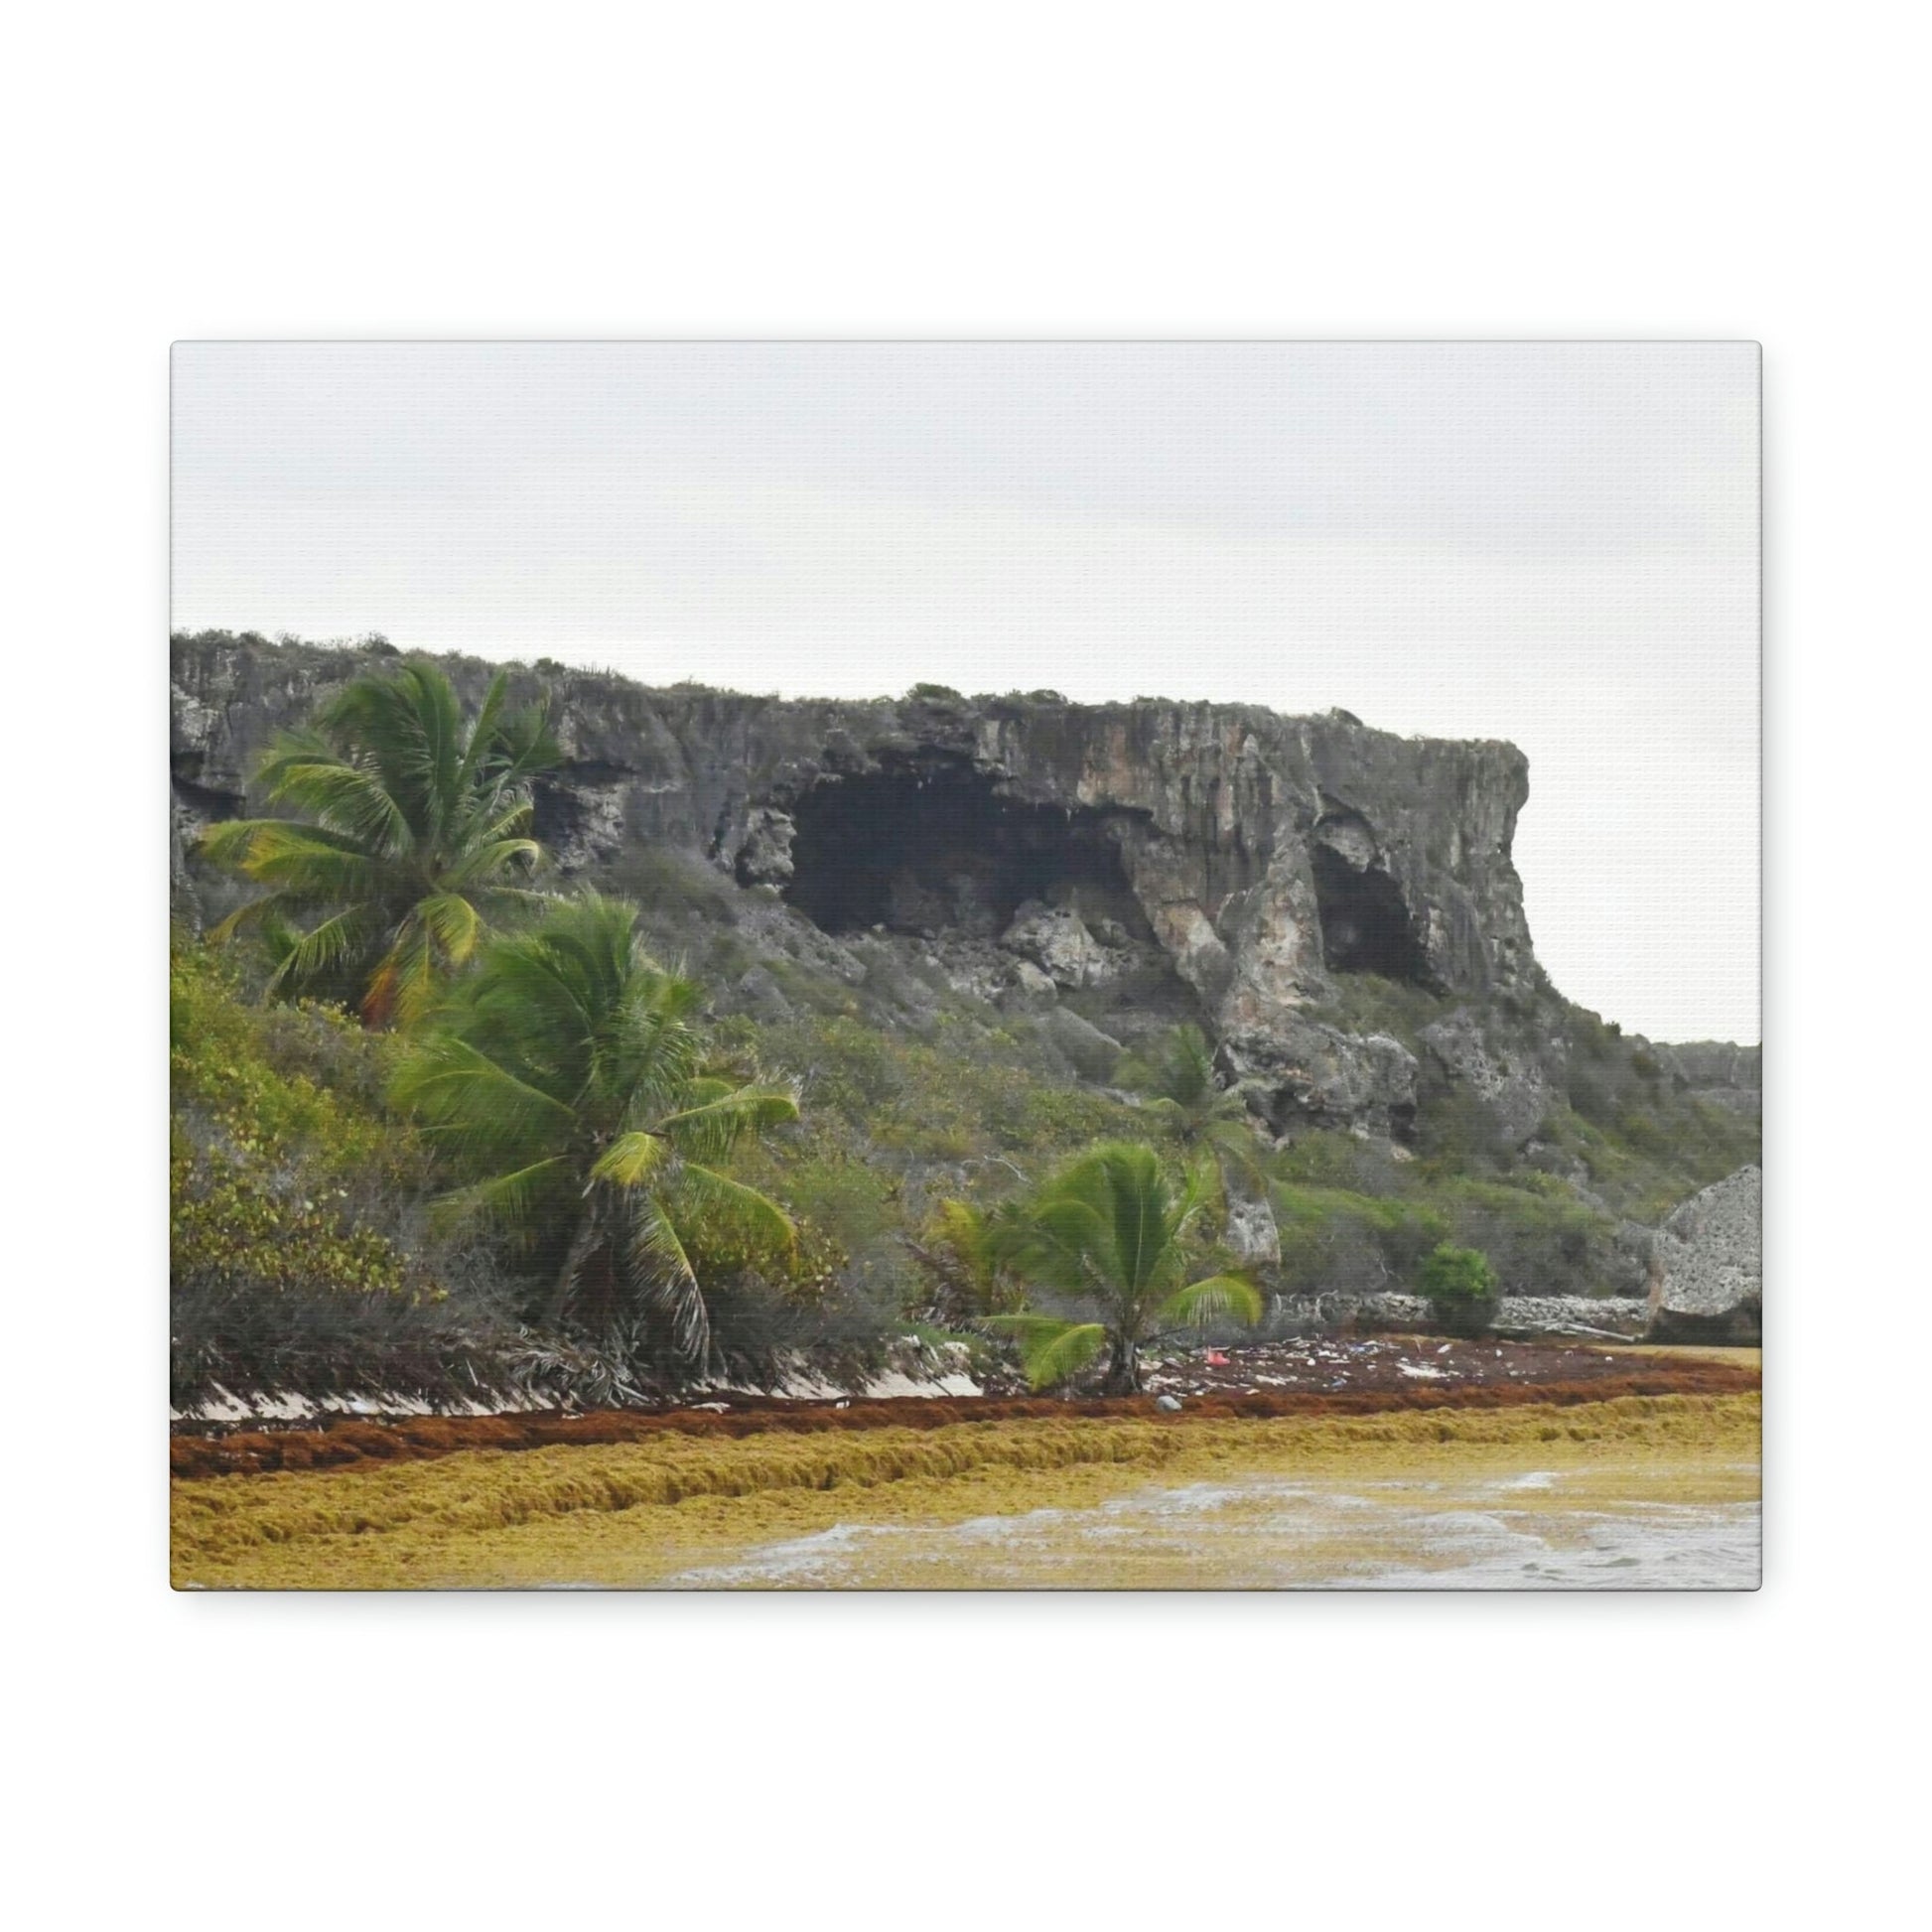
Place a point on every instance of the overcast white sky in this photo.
(1551, 543)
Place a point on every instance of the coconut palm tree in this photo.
(568, 1074)
(410, 832)
(1177, 1075)
(1109, 1228)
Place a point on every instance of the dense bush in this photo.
(297, 1261)
(1461, 1289)
(243, 1223)
(283, 1167)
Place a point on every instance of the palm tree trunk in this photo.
(581, 1244)
(1123, 1376)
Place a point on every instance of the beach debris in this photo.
(713, 1407)
(1167, 1402)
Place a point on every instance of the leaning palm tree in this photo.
(567, 1073)
(1109, 1228)
(411, 832)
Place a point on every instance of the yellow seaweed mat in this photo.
(677, 1508)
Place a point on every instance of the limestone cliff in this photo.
(1260, 860)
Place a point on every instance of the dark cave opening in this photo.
(930, 849)
(1365, 926)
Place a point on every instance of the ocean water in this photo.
(1533, 1530)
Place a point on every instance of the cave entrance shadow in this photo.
(929, 849)
(1365, 926)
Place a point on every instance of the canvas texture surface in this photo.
(965, 966)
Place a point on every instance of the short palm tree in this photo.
(411, 832)
(567, 1072)
(1176, 1074)
(963, 1249)
(1108, 1228)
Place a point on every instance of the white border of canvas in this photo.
(1412, 171)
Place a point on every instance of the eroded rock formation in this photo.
(1708, 1265)
(1254, 860)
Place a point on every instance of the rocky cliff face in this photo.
(1259, 861)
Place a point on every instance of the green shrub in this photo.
(1537, 1235)
(283, 1168)
(305, 1072)
(240, 1224)
(1326, 1159)
(850, 1201)
(1460, 1287)
(1451, 1274)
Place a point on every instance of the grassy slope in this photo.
(299, 1199)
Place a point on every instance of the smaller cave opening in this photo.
(1365, 926)
(208, 802)
(932, 847)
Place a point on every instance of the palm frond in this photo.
(404, 985)
(462, 1094)
(1219, 1297)
(257, 909)
(524, 747)
(493, 859)
(328, 947)
(308, 862)
(710, 1130)
(632, 1160)
(228, 841)
(508, 1199)
(1050, 1350)
(1063, 1243)
(303, 746)
(405, 725)
(649, 1047)
(1138, 1203)
(733, 1208)
(452, 922)
(345, 798)
(482, 735)
(661, 1268)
